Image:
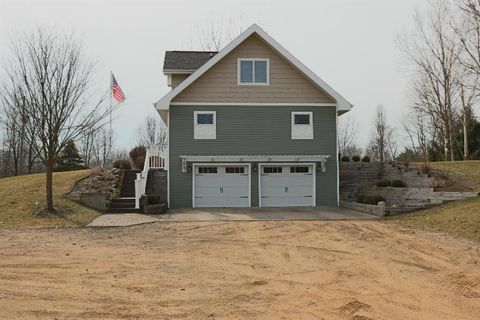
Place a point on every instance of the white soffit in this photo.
(342, 103)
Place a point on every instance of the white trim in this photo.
(259, 104)
(202, 131)
(308, 128)
(249, 165)
(342, 103)
(314, 168)
(254, 158)
(177, 71)
(168, 161)
(337, 163)
(254, 83)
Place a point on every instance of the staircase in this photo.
(126, 202)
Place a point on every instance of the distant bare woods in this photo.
(442, 51)
(442, 58)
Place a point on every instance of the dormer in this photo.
(179, 65)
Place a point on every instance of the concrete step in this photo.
(124, 210)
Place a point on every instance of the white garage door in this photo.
(221, 186)
(287, 185)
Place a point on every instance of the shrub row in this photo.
(355, 159)
(153, 199)
(391, 183)
(122, 164)
(370, 199)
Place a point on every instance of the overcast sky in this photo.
(349, 44)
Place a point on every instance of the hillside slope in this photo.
(21, 196)
(458, 218)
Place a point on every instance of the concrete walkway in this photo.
(122, 220)
(232, 214)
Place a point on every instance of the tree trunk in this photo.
(30, 160)
(466, 152)
(48, 187)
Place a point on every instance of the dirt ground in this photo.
(238, 270)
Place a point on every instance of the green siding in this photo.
(251, 130)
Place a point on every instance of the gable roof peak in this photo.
(342, 103)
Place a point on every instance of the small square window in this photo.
(207, 170)
(272, 170)
(298, 169)
(234, 170)
(204, 118)
(302, 125)
(302, 119)
(204, 125)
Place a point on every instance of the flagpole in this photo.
(110, 117)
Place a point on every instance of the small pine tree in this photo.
(70, 158)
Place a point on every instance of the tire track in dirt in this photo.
(463, 287)
(349, 310)
(215, 306)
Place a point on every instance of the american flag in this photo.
(117, 92)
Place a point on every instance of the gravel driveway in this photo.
(238, 270)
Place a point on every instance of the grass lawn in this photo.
(21, 196)
(470, 168)
(458, 218)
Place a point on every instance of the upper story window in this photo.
(302, 125)
(253, 71)
(205, 125)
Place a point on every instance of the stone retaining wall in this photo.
(378, 211)
(157, 184)
(410, 197)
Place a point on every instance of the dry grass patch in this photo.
(458, 218)
(21, 196)
(470, 168)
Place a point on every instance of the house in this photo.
(249, 126)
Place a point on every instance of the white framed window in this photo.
(205, 125)
(254, 71)
(302, 125)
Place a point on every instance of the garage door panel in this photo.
(223, 186)
(292, 185)
(274, 201)
(207, 191)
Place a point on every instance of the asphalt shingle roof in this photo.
(186, 60)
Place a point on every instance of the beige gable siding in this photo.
(220, 83)
(177, 78)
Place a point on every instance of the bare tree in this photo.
(215, 33)
(434, 52)
(417, 131)
(52, 74)
(346, 132)
(381, 142)
(153, 133)
(19, 139)
(87, 146)
(102, 147)
(468, 98)
(467, 28)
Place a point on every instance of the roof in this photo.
(342, 104)
(186, 60)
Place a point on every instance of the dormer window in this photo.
(253, 71)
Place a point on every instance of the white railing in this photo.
(155, 158)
